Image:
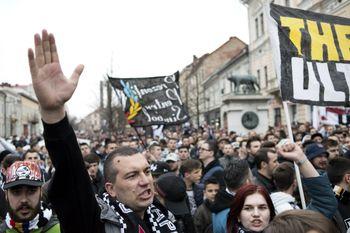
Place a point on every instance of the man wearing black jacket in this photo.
(236, 174)
(127, 206)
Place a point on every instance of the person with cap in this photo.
(317, 137)
(6, 163)
(221, 144)
(26, 212)
(173, 160)
(171, 192)
(127, 205)
(317, 155)
(159, 168)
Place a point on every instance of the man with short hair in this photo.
(228, 155)
(127, 206)
(134, 143)
(285, 181)
(211, 166)
(236, 174)
(332, 147)
(171, 147)
(253, 145)
(191, 171)
(35, 147)
(110, 146)
(338, 172)
(85, 149)
(31, 155)
(185, 141)
(183, 153)
(203, 216)
(26, 212)
(266, 161)
(155, 151)
(97, 180)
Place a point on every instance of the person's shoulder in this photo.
(53, 229)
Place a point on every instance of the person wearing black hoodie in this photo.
(236, 174)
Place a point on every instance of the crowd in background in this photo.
(210, 166)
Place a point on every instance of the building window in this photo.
(262, 23)
(266, 76)
(258, 76)
(294, 113)
(287, 2)
(277, 117)
(256, 28)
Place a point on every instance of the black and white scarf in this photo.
(154, 219)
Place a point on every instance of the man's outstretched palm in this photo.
(51, 87)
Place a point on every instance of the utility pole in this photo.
(197, 100)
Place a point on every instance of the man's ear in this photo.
(6, 193)
(110, 189)
(263, 164)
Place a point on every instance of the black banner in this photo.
(312, 56)
(152, 100)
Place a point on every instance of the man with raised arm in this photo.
(128, 205)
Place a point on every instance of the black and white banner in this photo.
(152, 100)
(312, 56)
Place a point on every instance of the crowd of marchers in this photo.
(190, 180)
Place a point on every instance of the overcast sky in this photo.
(144, 37)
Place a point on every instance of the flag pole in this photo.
(297, 171)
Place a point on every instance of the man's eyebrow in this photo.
(131, 172)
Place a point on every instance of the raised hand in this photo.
(51, 87)
(291, 151)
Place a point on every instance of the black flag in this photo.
(152, 100)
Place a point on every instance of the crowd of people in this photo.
(192, 180)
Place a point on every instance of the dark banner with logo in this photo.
(312, 56)
(152, 100)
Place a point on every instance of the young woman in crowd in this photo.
(251, 210)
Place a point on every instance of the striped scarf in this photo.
(40, 220)
(154, 220)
